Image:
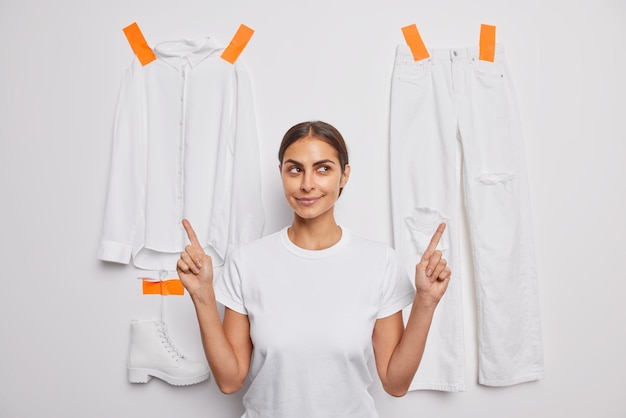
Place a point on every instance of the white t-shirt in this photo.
(312, 314)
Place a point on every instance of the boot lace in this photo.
(168, 344)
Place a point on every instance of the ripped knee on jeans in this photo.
(422, 223)
(492, 179)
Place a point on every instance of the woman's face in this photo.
(312, 176)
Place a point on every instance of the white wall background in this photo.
(64, 315)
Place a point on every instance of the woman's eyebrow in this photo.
(292, 162)
(325, 161)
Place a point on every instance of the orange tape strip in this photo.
(138, 44)
(414, 40)
(487, 43)
(237, 44)
(165, 288)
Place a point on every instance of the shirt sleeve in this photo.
(228, 285)
(127, 174)
(397, 290)
(246, 207)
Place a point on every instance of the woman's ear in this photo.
(345, 175)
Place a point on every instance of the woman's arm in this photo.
(398, 350)
(227, 346)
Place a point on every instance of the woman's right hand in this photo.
(195, 267)
(432, 273)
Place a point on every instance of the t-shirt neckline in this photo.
(314, 254)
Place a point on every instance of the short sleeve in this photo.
(228, 285)
(397, 290)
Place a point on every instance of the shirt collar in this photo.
(184, 51)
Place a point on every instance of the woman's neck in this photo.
(314, 234)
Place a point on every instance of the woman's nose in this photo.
(308, 183)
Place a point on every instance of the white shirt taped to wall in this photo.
(184, 146)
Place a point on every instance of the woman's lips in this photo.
(307, 201)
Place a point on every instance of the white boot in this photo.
(152, 354)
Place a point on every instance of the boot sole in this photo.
(145, 375)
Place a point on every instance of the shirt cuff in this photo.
(115, 252)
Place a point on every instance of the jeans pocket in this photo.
(488, 78)
(413, 72)
(491, 70)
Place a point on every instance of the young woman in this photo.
(308, 306)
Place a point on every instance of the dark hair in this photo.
(320, 130)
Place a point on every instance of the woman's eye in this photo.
(294, 170)
(324, 168)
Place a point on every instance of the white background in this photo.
(64, 315)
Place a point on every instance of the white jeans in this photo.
(435, 102)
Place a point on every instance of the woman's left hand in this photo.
(432, 273)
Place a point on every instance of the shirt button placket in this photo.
(181, 139)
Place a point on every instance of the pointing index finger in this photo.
(434, 241)
(193, 238)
